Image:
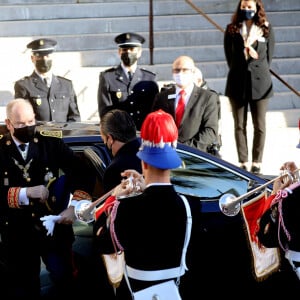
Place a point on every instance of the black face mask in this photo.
(43, 66)
(25, 134)
(128, 59)
(247, 14)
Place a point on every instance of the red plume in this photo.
(158, 127)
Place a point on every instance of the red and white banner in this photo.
(265, 261)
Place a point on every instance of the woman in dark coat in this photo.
(249, 45)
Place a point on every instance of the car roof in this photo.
(73, 129)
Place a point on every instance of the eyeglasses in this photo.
(183, 70)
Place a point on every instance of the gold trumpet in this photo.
(230, 205)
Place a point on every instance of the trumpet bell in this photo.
(84, 211)
(229, 206)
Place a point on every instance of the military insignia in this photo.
(119, 94)
(5, 180)
(1, 136)
(52, 133)
(42, 42)
(48, 176)
(127, 36)
(24, 169)
(38, 101)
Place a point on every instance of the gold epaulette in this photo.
(52, 133)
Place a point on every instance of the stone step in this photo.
(100, 24)
(60, 9)
(85, 31)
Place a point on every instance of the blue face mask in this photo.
(247, 14)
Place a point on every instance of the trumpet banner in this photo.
(265, 261)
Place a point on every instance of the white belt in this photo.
(292, 255)
(154, 275)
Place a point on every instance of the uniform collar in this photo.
(46, 75)
(126, 69)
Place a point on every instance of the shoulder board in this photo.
(52, 133)
(109, 69)
(148, 71)
(24, 78)
(63, 78)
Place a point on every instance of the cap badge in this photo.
(127, 36)
(41, 42)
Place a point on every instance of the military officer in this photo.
(29, 161)
(53, 97)
(127, 86)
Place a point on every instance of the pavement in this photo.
(281, 139)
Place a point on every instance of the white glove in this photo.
(49, 222)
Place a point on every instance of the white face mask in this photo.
(182, 79)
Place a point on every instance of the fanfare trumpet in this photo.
(230, 205)
(85, 209)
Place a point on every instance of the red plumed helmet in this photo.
(159, 136)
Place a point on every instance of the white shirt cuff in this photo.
(23, 199)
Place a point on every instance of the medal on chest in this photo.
(24, 169)
(119, 94)
(38, 100)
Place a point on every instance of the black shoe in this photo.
(255, 170)
(244, 167)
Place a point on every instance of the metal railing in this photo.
(222, 30)
(203, 14)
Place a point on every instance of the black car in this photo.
(226, 260)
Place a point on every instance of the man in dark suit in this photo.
(29, 161)
(53, 97)
(199, 125)
(127, 86)
(118, 132)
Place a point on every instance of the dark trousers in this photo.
(258, 111)
(22, 255)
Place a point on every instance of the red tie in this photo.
(180, 108)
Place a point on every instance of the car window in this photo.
(205, 179)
